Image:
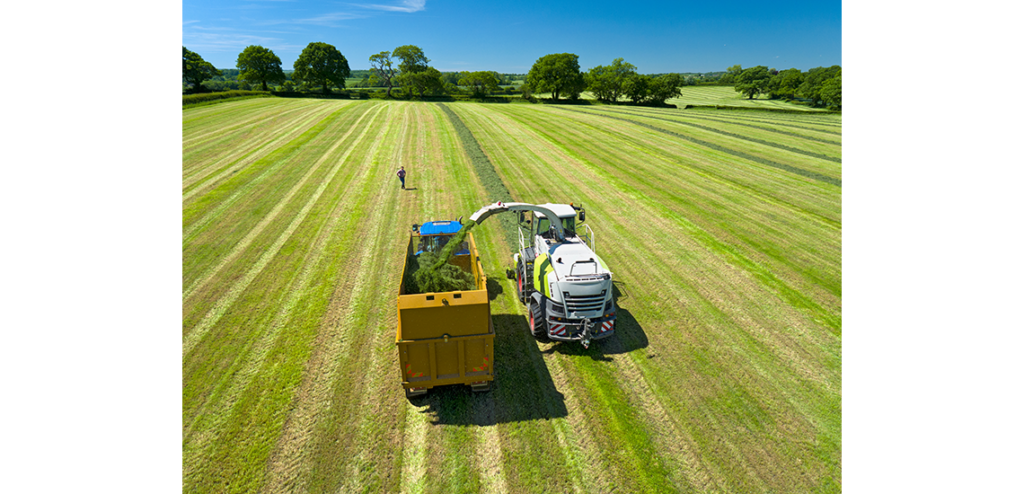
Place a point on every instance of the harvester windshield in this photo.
(568, 224)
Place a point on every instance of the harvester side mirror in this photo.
(583, 216)
(522, 217)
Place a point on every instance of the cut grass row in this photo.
(267, 336)
(690, 117)
(554, 163)
(715, 381)
(747, 154)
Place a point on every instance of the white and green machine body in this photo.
(567, 287)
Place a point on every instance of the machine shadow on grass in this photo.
(629, 334)
(493, 288)
(522, 389)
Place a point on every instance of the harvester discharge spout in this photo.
(502, 207)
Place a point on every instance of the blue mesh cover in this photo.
(440, 227)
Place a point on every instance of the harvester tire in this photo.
(538, 326)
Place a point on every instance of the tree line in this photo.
(406, 68)
(821, 86)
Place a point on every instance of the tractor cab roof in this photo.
(440, 228)
(562, 210)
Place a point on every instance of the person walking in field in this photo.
(401, 176)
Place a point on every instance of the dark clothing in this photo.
(401, 176)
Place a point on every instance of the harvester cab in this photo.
(558, 274)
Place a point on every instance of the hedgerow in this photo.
(193, 99)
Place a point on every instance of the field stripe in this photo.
(677, 114)
(728, 251)
(576, 457)
(760, 186)
(216, 410)
(193, 337)
(198, 162)
(201, 181)
(740, 154)
(289, 466)
(226, 129)
(256, 355)
(652, 266)
(748, 138)
(245, 190)
(781, 123)
(715, 382)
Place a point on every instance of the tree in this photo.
(637, 87)
(663, 87)
(427, 81)
(606, 82)
(480, 83)
(258, 64)
(558, 74)
(414, 73)
(753, 81)
(785, 83)
(412, 57)
(382, 68)
(731, 74)
(321, 64)
(832, 91)
(195, 70)
(813, 81)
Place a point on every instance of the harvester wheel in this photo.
(538, 327)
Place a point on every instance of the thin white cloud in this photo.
(408, 6)
(224, 39)
(188, 22)
(328, 19)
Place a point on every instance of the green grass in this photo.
(725, 242)
(727, 96)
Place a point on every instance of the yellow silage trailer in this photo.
(445, 338)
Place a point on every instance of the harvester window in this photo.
(544, 227)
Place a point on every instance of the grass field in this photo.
(723, 231)
(727, 96)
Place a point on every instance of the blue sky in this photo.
(510, 36)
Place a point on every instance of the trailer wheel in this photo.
(538, 327)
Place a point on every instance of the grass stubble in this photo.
(717, 380)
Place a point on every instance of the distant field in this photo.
(723, 231)
(724, 95)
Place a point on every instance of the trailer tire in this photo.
(538, 326)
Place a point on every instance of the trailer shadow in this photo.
(522, 389)
(493, 288)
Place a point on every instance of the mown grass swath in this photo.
(614, 165)
(724, 374)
